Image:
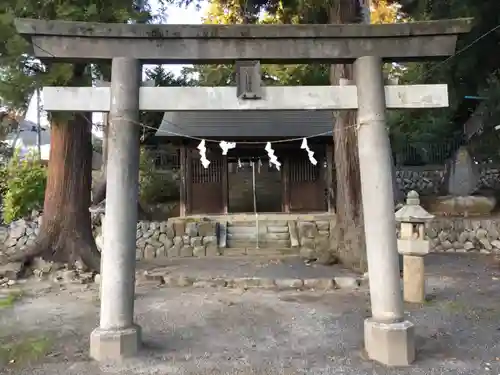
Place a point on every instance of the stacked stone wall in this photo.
(189, 238)
(428, 180)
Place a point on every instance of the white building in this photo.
(24, 139)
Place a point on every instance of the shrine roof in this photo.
(250, 124)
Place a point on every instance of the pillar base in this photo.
(114, 344)
(392, 344)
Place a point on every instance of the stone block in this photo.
(346, 282)
(207, 228)
(481, 233)
(308, 243)
(139, 254)
(143, 225)
(322, 244)
(178, 241)
(186, 252)
(485, 243)
(179, 228)
(161, 252)
(168, 243)
(307, 229)
(179, 281)
(392, 344)
(163, 227)
(149, 252)
(169, 230)
(192, 229)
(199, 251)
(223, 236)
(11, 270)
(278, 229)
(154, 242)
(413, 279)
(141, 243)
(323, 225)
(209, 240)
(213, 283)
(245, 282)
(114, 344)
(196, 241)
(277, 236)
(319, 284)
(173, 252)
(292, 231)
(283, 284)
(212, 250)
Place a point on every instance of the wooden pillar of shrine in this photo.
(185, 180)
(285, 174)
(329, 179)
(225, 185)
(189, 181)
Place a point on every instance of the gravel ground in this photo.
(210, 331)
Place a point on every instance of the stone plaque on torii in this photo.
(389, 338)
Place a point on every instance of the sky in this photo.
(175, 15)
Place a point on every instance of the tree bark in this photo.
(66, 233)
(349, 233)
(99, 194)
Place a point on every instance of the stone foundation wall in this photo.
(428, 180)
(174, 239)
(465, 235)
(190, 238)
(312, 237)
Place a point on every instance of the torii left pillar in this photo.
(117, 336)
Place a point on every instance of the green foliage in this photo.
(3, 180)
(156, 186)
(471, 72)
(25, 187)
(20, 73)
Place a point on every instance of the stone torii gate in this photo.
(388, 337)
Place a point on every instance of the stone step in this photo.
(267, 237)
(241, 224)
(246, 230)
(242, 236)
(262, 229)
(261, 251)
(262, 243)
(264, 223)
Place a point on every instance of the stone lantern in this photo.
(413, 246)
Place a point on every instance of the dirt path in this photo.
(231, 331)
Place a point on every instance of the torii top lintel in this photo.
(82, 41)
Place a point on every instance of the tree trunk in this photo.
(349, 234)
(105, 134)
(66, 233)
(99, 194)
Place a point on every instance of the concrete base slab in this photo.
(114, 344)
(392, 344)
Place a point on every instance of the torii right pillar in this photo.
(389, 338)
